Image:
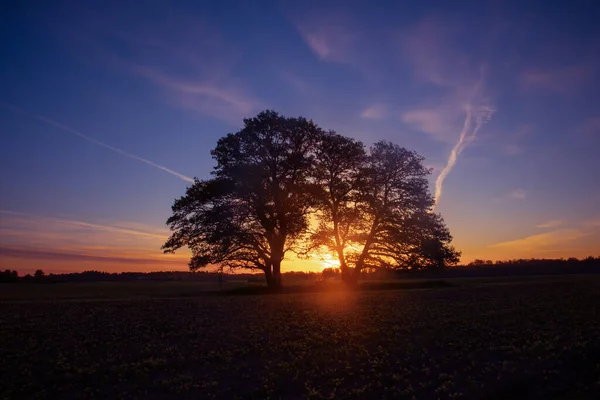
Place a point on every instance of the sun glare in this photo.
(329, 261)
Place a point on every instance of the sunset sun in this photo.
(329, 261)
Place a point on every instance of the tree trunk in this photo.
(277, 275)
(269, 276)
(350, 277)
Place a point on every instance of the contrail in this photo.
(470, 128)
(109, 228)
(99, 143)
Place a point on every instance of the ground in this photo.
(519, 338)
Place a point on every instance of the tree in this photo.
(375, 209)
(255, 207)
(337, 169)
(480, 263)
(330, 273)
(39, 274)
(9, 276)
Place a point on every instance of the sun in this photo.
(329, 261)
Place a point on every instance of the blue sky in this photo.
(107, 109)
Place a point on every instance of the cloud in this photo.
(328, 38)
(335, 35)
(374, 112)
(555, 223)
(474, 119)
(127, 228)
(318, 43)
(182, 55)
(592, 223)
(431, 47)
(440, 122)
(542, 241)
(49, 254)
(29, 236)
(558, 80)
(225, 101)
(517, 194)
(68, 129)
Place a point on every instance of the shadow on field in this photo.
(338, 287)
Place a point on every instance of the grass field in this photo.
(505, 338)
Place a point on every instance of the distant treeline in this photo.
(477, 268)
(532, 266)
(100, 276)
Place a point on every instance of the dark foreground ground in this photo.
(502, 339)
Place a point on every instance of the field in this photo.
(523, 338)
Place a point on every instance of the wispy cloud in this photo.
(517, 194)
(555, 223)
(50, 254)
(90, 139)
(440, 122)
(223, 101)
(558, 80)
(473, 121)
(183, 55)
(329, 38)
(137, 230)
(592, 223)
(30, 236)
(541, 241)
(431, 47)
(376, 112)
(336, 35)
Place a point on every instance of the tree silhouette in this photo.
(255, 208)
(375, 209)
(9, 276)
(330, 273)
(39, 274)
(338, 164)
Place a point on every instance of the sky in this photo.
(109, 109)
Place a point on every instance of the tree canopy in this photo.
(256, 206)
(375, 209)
(372, 208)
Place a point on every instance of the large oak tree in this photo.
(255, 207)
(375, 209)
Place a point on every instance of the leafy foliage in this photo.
(375, 208)
(9, 276)
(372, 209)
(255, 207)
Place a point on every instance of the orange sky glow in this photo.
(62, 245)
